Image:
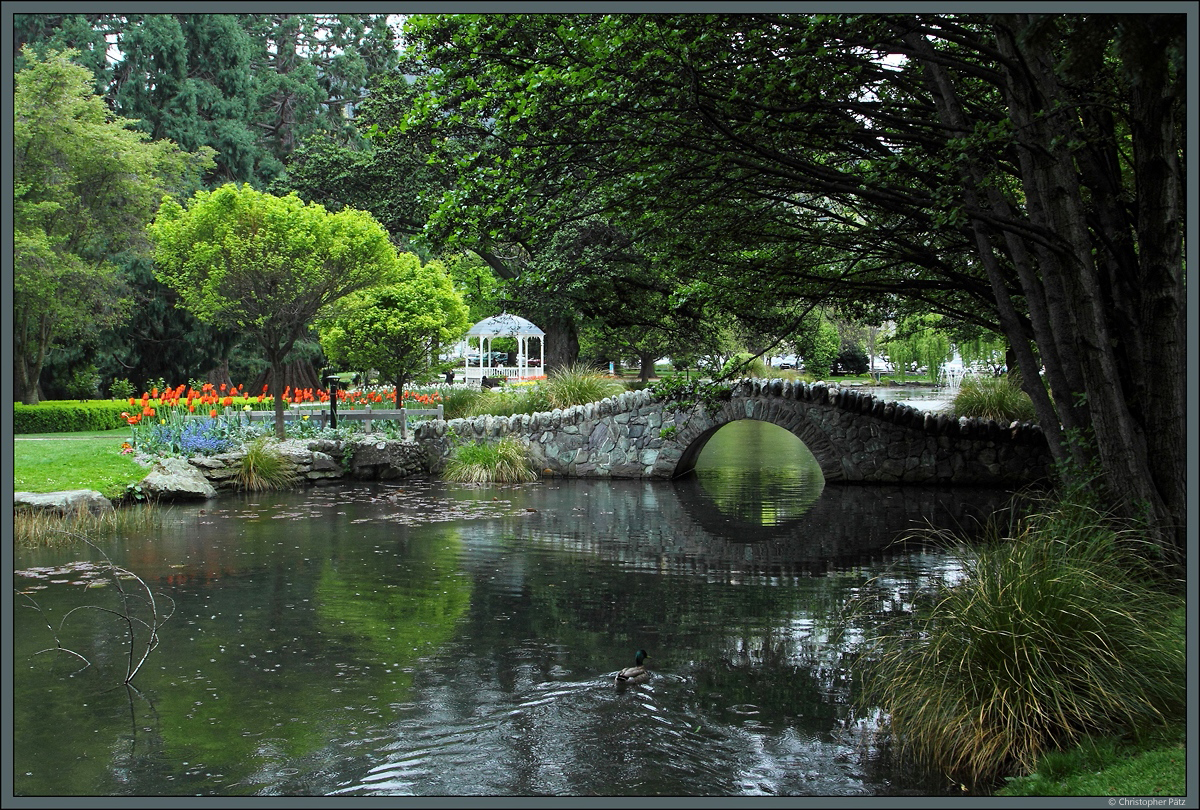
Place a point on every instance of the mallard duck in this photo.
(634, 674)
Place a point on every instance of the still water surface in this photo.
(420, 638)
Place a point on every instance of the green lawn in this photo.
(1084, 772)
(49, 462)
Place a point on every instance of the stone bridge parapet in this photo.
(855, 437)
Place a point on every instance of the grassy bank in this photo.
(51, 462)
(1111, 766)
(1061, 631)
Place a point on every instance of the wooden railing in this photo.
(322, 416)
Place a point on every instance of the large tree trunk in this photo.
(1118, 348)
(561, 349)
(1106, 318)
(219, 374)
(24, 391)
(296, 374)
(28, 360)
(646, 366)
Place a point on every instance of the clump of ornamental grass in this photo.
(996, 398)
(502, 462)
(47, 528)
(263, 468)
(1054, 634)
(458, 400)
(509, 401)
(578, 385)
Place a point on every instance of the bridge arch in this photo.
(817, 443)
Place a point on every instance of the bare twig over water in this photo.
(142, 634)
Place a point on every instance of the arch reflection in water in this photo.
(758, 473)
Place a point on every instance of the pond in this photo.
(421, 638)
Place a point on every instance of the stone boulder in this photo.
(66, 502)
(176, 479)
(384, 459)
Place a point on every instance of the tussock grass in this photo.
(997, 398)
(264, 469)
(36, 527)
(523, 399)
(1057, 633)
(458, 400)
(505, 461)
(578, 385)
(563, 388)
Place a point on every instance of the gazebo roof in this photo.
(506, 325)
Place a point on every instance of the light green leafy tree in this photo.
(983, 349)
(265, 264)
(919, 340)
(84, 186)
(817, 342)
(399, 325)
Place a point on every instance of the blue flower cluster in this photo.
(201, 438)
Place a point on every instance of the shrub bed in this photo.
(66, 416)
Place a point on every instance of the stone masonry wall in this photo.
(323, 460)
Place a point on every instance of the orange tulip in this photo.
(213, 413)
(227, 401)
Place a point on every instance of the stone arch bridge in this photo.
(856, 438)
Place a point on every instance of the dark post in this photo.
(331, 384)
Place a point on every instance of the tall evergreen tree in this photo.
(251, 86)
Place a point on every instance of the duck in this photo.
(634, 674)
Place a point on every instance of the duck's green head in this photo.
(639, 658)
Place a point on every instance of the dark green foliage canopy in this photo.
(252, 86)
(1019, 173)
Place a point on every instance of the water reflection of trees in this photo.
(309, 644)
(677, 529)
(755, 474)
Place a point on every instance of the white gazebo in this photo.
(480, 337)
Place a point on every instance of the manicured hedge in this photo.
(69, 416)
